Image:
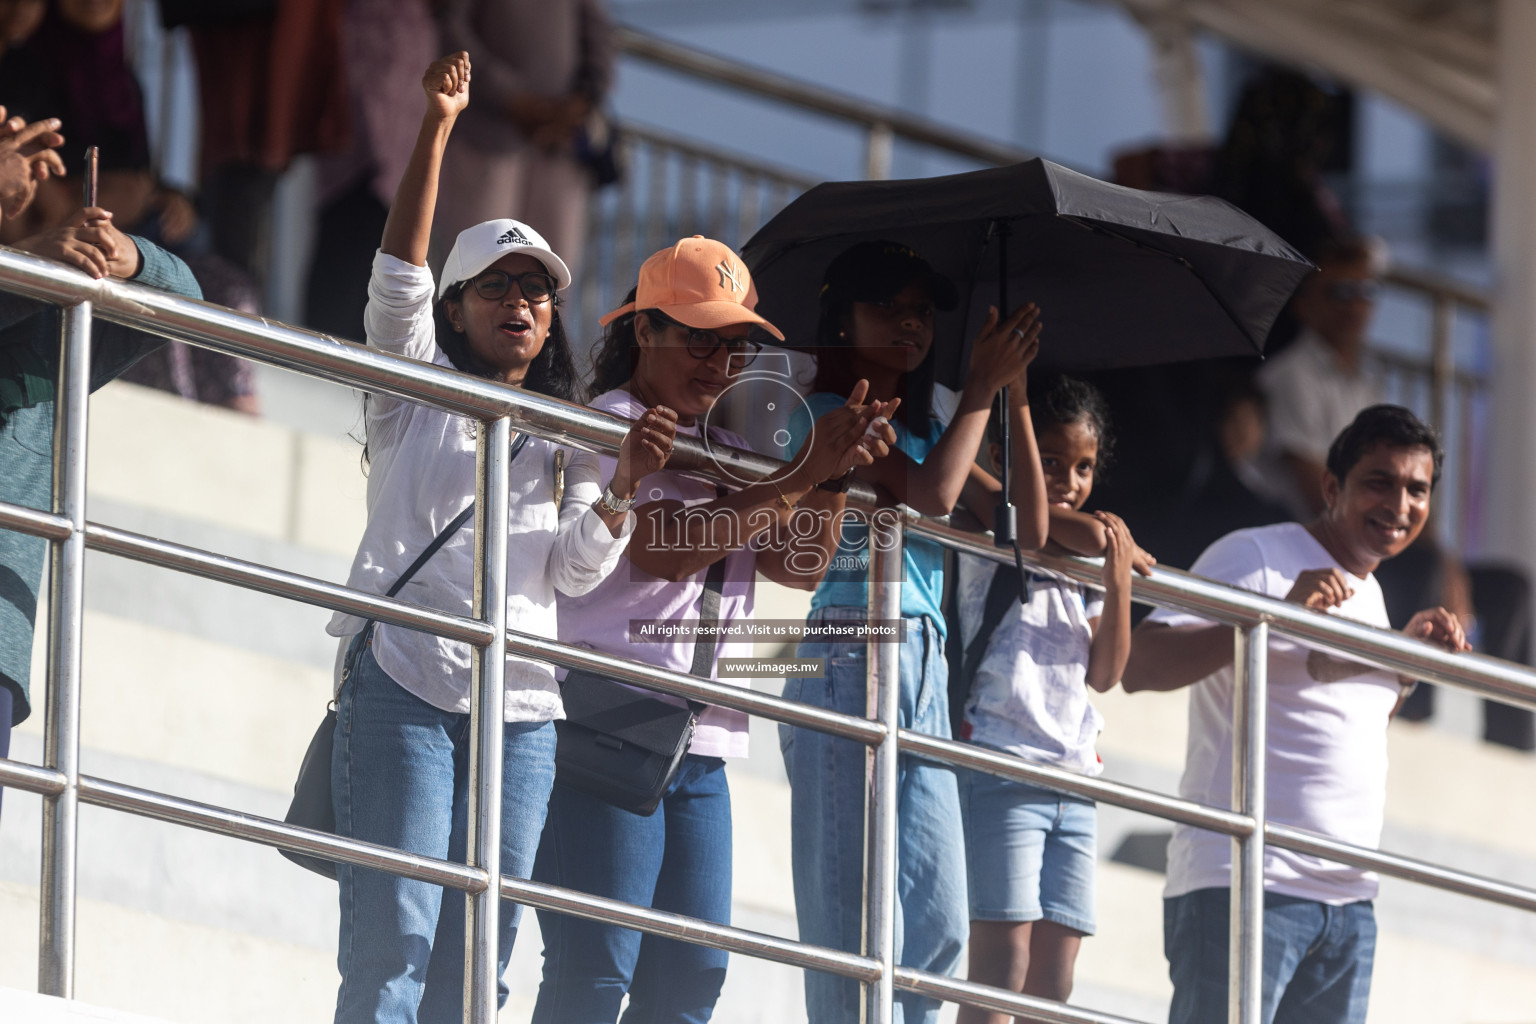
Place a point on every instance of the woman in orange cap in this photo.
(688, 334)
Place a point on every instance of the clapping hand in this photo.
(854, 434)
(645, 450)
(26, 157)
(1004, 348)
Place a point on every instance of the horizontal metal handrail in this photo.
(283, 836)
(958, 990)
(358, 365)
(1188, 812)
(1232, 606)
(691, 687)
(1396, 865)
(704, 152)
(1431, 283)
(280, 583)
(1132, 798)
(335, 597)
(816, 99)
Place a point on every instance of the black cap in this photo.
(875, 271)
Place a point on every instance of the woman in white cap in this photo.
(399, 771)
(687, 335)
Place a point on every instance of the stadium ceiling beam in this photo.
(1443, 74)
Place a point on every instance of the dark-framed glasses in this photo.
(535, 285)
(703, 343)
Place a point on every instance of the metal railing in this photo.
(502, 410)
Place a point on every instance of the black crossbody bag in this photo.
(312, 806)
(623, 745)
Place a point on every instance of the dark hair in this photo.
(835, 374)
(1345, 252)
(1391, 426)
(614, 361)
(552, 372)
(1056, 400)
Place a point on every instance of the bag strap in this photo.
(705, 640)
(443, 537)
(1003, 593)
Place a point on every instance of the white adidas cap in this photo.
(478, 247)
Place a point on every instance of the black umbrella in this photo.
(1122, 277)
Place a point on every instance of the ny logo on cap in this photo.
(730, 273)
(511, 236)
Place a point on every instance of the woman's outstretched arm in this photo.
(408, 231)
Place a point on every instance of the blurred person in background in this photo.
(543, 68)
(29, 366)
(1314, 389)
(385, 42)
(271, 86)
(74, 67)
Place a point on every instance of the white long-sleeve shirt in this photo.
(422, 475)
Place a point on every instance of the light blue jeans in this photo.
(400, 777)
(678, 859)
(827, 821)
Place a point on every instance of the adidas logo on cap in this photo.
(512, 236)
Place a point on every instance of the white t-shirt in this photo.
(602, 617)
(1312, 398)
(421, 475)
(1327, 741)
(1029, 696)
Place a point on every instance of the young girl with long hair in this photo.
(1031, 853)
(399, 770)
(877, 323)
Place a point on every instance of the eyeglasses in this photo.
(1368, 290)
(702, 344)
(535, 285)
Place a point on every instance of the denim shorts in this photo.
(1029, 853)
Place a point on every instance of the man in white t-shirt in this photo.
(1316, 386)
(1327, 746)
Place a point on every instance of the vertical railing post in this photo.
(879, 152)
(482, 909)
(1245, 979)
(884, 705)
(66, 606)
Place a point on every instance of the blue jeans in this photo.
(400, 777)
(827, 823)
(1317, 959)
(678, 859)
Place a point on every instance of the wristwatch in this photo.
(612, 504)
(837, 484)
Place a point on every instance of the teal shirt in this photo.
(847, 580)
(29, 361)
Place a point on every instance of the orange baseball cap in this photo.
(699, 282)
